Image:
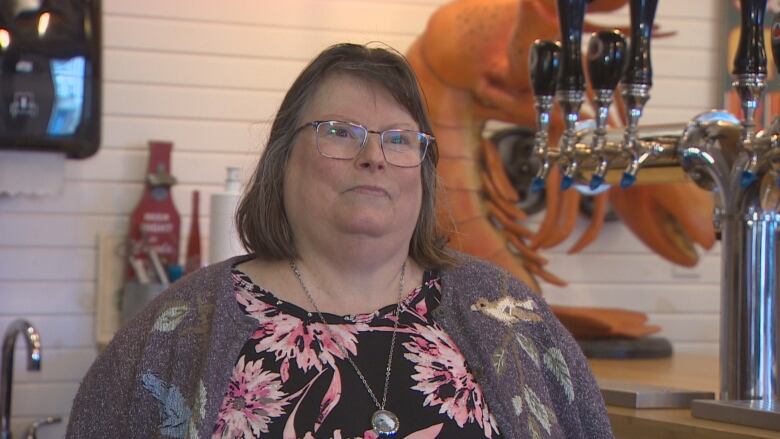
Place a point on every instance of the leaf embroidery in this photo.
(204, 311)
(499, 360)
(199, 406)
(537, 408)
(192, 433)
(171, 317)
(517, 403)
(554, 361)
(533, 428)
(174, 412)
(199, 411)
(529, 347)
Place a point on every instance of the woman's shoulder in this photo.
(210, 287)
(471, 275)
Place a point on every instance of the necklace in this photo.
(384, 422)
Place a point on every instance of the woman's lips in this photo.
(375, 191)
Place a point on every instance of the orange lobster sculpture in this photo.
(472, 65)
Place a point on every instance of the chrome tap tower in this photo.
(718, 151)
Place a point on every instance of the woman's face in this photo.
(362, 197)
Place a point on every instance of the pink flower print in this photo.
(431, 432)
(442, 376)
(421, 308)
(337, 435)
(311, 346)
(253, 398)
(289, 338)
(254, 306)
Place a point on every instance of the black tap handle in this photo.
(571, 14)
(606, 59)
(751, 55)
(544, 61)
(639, 69)
(776, 40)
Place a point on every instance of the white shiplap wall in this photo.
(208, 76)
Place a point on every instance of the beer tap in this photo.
(750, 80)
(606, 58)
(728, 156)
(637, 80)
(571, 84)
(543, 62)
(775, 129)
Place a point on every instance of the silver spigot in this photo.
(750, 69)
(636, 82)
(543, 65)
(635, 96)
(571, 85)
(750, 89)
(32, 430)
(570, 102)
(606, 57)
(33, 341)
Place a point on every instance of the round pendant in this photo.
(385, 423)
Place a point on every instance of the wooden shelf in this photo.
(694, 372)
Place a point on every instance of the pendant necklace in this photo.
(384, 422)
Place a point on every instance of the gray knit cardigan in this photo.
(166, 372)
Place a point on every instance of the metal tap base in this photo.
(752, 413)
(648, 396)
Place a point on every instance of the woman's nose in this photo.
(372, 156)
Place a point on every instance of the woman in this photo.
(349, 319)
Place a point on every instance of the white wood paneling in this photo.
(209, 77)
(105, 198)
(64, 365)
(42, 399)
(133, 66)
(130, 166)
(380, 16)
(41, 263)
(36, 230)
(52, 297)
(649, 298)
(192, 37)
(133, 132)
(613, 268)
(200, 103)
(59, 331)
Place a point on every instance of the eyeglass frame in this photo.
(430, 139)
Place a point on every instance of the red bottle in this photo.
(193, 256)
(154, 224)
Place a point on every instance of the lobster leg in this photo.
(496, 172)
(600, 205)
(552, 193)
(567, 219)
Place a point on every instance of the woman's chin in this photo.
(368, 224)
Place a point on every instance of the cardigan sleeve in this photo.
(103, 406)
(590, 415)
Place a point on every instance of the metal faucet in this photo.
(33, 340)
(32, 430)
(720, 153)
(571, 85)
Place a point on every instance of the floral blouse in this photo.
(291, 379)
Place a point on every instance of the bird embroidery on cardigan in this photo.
(508, 310)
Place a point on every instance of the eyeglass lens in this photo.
(341, 140)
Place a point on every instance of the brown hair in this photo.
(261, 218)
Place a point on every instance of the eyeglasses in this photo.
(344, 141)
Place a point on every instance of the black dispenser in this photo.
(50, 79)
